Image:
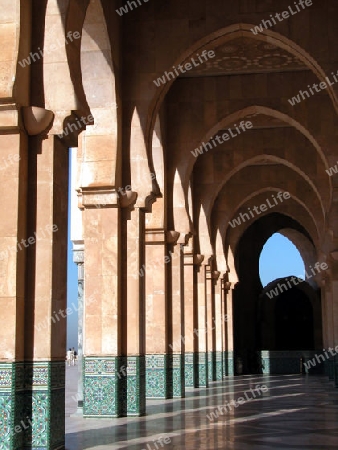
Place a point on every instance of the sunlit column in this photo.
(229, 354)
(13, 186)
(177, 330)
(157, 271)
(201, 340)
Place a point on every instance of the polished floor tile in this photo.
(292, 412)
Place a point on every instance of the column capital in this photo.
(128, 200)
(36, 120)
(198, 259)
(227, 285)
(172, 237)
(145, 203)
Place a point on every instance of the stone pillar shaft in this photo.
(177, 334)
(13, 185)
(229, 356)
(104, 368)
(158, 261)
(45, 320)
(189, 317)
(201, 342)
(134, 270)
(219, 328)
(211, 334)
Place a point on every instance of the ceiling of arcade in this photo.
(288, 147)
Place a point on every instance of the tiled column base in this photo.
(178, 384)
(45, 405)
(212, 366)
(32, 404)
(229, 367)
(189, 371)
(201, 360)
(103, 382)
(219, 365)
(12, 409)
(135, 401)
(158, 377)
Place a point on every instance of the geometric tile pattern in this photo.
(158, 377)
(178, 384)
(212, 366)
(201, 367)
(135, 399)
(228, 361)
(44, 404)
(219, 365)
(102, 385)
(32, 405)
(189, 370)
(10, 406)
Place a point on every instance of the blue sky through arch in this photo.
(279, 258)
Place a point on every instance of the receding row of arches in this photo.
(284, 312)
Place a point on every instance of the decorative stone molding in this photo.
(227, 285)
(184, 238)
(198, 259)
(128, 200)
(37, 120)
(148, 202)
(172, 237)
(216, 274)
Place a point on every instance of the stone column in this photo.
(190, 319)
(158, 260)
(210, 310)
(13, 186)
(201, 340)
(46, 295)
(104, 367)
(218, 324)
(223, 293)
(176, 329)
(134, 335)
(229, 353)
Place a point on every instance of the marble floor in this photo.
(290, 412)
